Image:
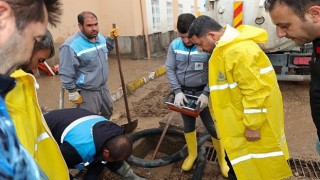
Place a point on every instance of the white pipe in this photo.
(49, 68)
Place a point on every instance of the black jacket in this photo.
(315, 85)
(58, 120)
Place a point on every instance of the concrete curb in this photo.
(132, 86)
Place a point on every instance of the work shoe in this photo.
(224, 168)
(191, 140)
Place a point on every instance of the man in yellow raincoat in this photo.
(31, 128)
(245, 99)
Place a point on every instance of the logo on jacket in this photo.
(221, 77)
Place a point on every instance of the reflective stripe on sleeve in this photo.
(253, 111)
(266, 70)
(224, 86)
(41, 137)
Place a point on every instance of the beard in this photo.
(91, 35)
(9, 53)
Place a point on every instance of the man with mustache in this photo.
(245, 99)
(187, 74)
(84, 66)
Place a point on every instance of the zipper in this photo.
(100, 61)
(185, 71)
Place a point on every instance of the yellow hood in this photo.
(242, 33)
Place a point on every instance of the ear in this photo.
(314, 13)
(5, 13)
(213, 35)
(80, 26)
(7, 21)
(105, 153)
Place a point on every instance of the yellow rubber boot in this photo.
(191, 140)
(221, 155)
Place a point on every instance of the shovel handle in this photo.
(121, 77)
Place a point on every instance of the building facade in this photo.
(146, 26)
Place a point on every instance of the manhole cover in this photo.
(302, 168)
(299, 167)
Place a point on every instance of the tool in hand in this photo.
(132, 124)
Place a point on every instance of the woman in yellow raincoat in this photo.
(31, 128)
(245, 99)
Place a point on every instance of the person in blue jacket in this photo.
(84, 66)
(89, 140)
(187, 74)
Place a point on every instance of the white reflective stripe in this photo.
(75, 123)
(41, 137)
(256, 156)
(186, 52)
(90, 49)
(265, 70)
(233, 85)
(282, 140)
(252, 111)
(224, 86)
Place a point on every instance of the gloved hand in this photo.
(203, 100)
(75, 97)
(179, 100)
(114, 32)
(126, 172)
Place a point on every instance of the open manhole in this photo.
(299, 167)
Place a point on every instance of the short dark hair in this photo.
(184, 22)
(28, 11)
(119, 147)
(299, 7)
(83, 15)
(45, 43)
(203, 24)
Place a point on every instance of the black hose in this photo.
(164, 160)
(200, 164)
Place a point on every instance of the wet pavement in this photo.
(50, 86)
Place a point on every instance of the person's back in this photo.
(16, 162)
(89, 140)
(31, 127)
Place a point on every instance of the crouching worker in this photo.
(87, 139)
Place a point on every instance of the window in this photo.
(180, 8)
(169, 16)
(155, 15)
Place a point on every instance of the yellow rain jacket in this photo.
(32, 129)
(244, 94)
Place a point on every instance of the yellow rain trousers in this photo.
(32, 129)
(244, 94)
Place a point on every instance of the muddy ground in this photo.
(146, 105)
